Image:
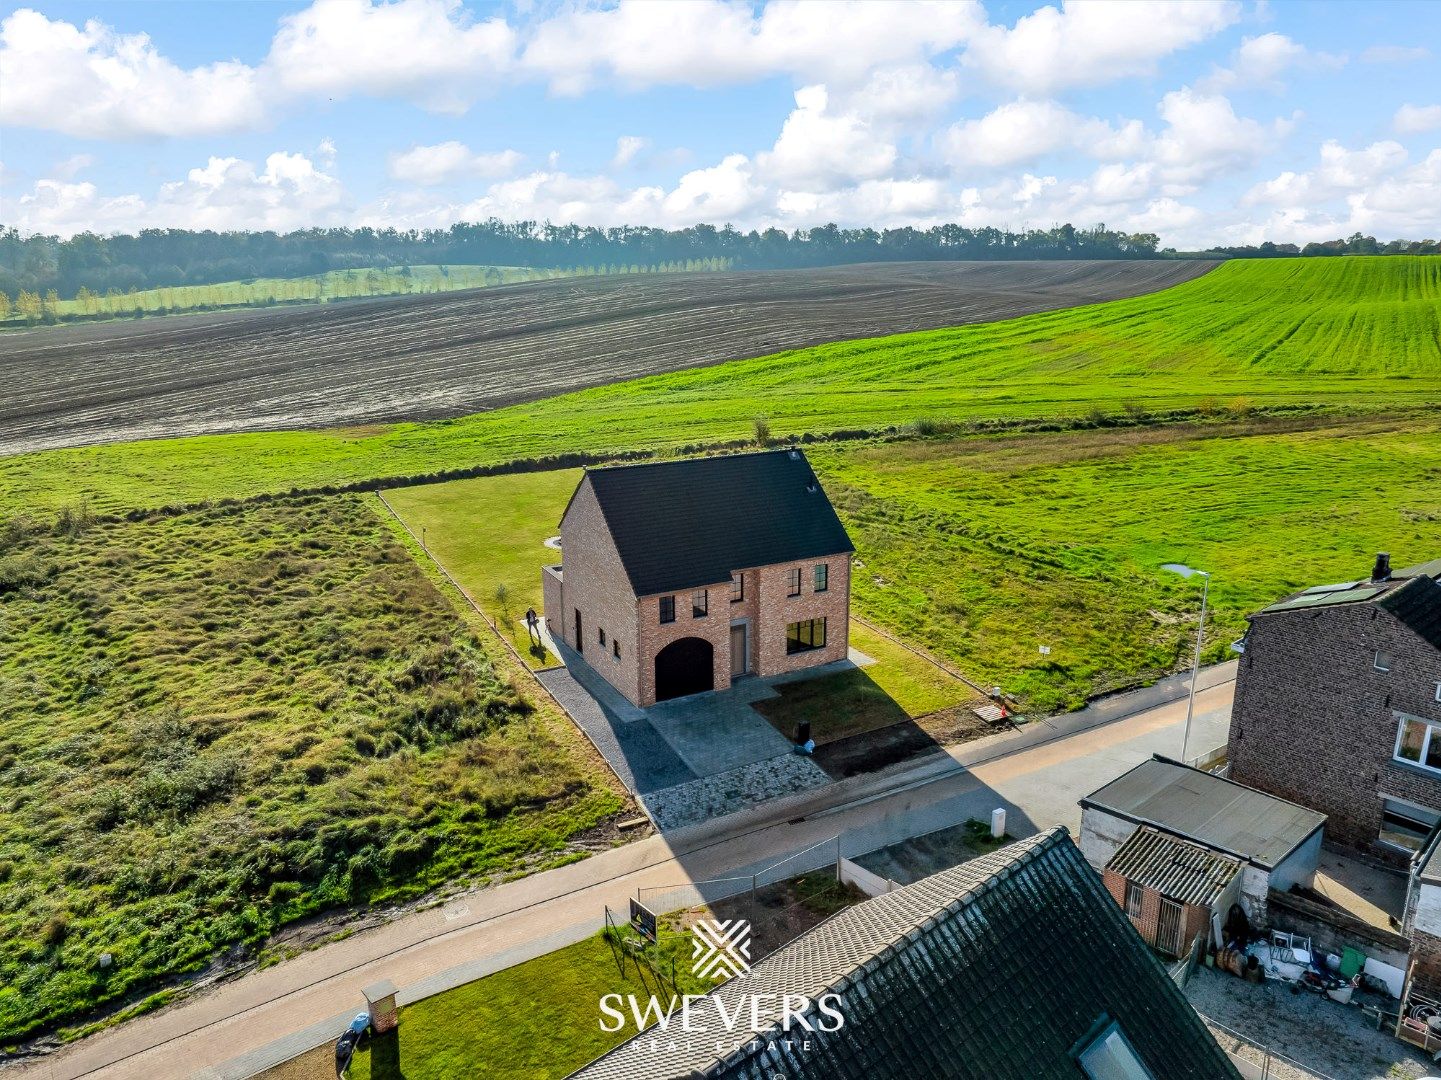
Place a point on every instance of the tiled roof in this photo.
(993, 970)
(1418, 606)
(1184, 872)
(1210, 810)
(683, 524)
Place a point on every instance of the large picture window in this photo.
(1418, 743)
(805, 636)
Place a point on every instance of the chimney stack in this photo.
(1382, 572)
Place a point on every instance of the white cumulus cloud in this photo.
(450, 161)
(819, 147)
(1090, 42)
(93, 82)
(1023, 131)
(1417, 119)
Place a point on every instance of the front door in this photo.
(740, 658)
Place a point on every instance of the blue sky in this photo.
(1214, 121)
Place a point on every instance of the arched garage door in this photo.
(684, 667)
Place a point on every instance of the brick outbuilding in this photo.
(680, 576)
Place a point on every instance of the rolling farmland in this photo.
(428, 357)
(1339, 333)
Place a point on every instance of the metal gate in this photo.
(1168, 928)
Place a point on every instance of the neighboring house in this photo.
(1176, 844)
(1014, 966)
(1338, 697)
(1422, 920)
(681, 576)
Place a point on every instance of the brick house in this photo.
(681, 576)
(1338, 697)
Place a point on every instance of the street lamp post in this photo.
(1186, 572)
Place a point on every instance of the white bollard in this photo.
(998, 822)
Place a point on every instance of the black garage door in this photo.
(684, 667)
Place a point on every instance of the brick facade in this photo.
(1195, 919)
(594, 582)
(1314, 721)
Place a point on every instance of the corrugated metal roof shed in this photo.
(1184, 872)
(1208, 809)
(991, 970)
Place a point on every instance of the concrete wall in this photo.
(1331, 929)
(595, 582)
(1313, 721)
(1299, 867)
(1102, 834)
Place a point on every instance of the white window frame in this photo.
(1432, 726)
(1438, 691)
(1377, 665)
(1110, 1056)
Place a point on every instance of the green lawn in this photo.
(537, 1021)
(215, 723)
(1326, 332)
(489, 533)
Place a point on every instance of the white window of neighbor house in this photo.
(1418, 743)
(1381, 661)
(1438, 691)
(1112, 1057)
(1406, 825)
(1133, 900)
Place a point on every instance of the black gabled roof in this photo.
(683, 524)
(1417, 604)
(993, 970)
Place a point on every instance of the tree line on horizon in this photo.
(163, 258)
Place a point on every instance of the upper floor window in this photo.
(823, 577)
(1381, 661)
(667, 609)
(793, 582)
(615, 648)
(1418, 743)
(601, 633)
(1438, 691)
(738, 593)
(699, 603)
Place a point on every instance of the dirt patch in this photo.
(873, 750)
(782, 912)
(444, 355)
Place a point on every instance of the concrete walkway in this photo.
(270, 1015)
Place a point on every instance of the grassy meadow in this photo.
(216, 723)
(1251, 334)
(984, 549)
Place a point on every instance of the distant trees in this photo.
(112, 270)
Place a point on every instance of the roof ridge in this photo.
(690, 459)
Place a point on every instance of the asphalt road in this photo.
(245, 1025)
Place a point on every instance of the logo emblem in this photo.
(721, 949)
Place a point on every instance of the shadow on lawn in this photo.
(858, 727)
(385, 1056)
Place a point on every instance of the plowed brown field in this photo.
(428, 357)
